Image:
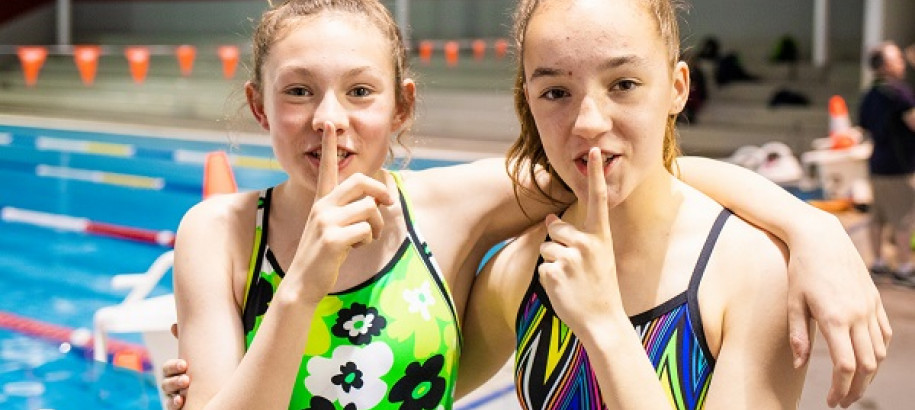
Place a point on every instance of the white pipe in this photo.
(402, 16)
(820, 33)
(64, 18)
(874, 20)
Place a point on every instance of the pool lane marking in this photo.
(100, 177)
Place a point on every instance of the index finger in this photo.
(327, 168)
(597, 218)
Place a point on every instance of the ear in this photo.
(256, 104)
(679, 92)
(405, 112)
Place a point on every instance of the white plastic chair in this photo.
(152, 317)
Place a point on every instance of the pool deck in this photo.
(889, 390)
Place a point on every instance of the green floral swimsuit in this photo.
(391, 342)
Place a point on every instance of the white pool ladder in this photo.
(152, 317)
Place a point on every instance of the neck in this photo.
(645, 217)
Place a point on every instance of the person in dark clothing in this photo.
(887, 112)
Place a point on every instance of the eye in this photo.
(552, 94)
(297, 91)
(626, 85)
(360, 91)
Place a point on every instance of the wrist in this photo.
(606, 331)
(810, 227)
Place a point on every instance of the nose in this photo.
(592, 119)
(330, 109)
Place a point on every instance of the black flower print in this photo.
(349, 377)
(421, 387)
(320, 403)
(359, 324)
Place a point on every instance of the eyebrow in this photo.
(614, 62)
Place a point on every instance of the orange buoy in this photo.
(86, 59)
(138, 59)
(218, 177)
(31, 58)
(229, 57)
(452, 52)
(186, 54)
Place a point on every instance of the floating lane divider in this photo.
(83, 225)
(241, 161)
(43, 143)
(100, 177)
(122, 354)
(85, 147)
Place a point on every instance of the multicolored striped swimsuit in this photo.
(552, 370)
(390, 342)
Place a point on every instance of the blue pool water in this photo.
(62, 278)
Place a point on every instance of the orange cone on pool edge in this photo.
(839, 123)
(452, 53)
(479, 49)
(31, 58)
(128, 359)
(501, 47)
(425, 51)
(229, 57)
(86, 59)
(138, 59)
(218, 177)
(186, 55)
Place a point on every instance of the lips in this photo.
(342, 153)
(607, 157)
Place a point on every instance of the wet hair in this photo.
(526, 153)
(280, 19)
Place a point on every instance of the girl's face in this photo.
(329, 67)
(597, 74)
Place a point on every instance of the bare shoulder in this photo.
(216, 235)
(510, 271)
(746, 279)
(752, 256)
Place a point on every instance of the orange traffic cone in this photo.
(217, 175)
(186, 54)
(138, 58)
(479, 49)
(501, 47)
(31, 58)
(425, 51)
(229, 57)
(452, 50)
(86, 59)
(840, 129)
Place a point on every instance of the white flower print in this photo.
(373, 361)
(359, 324)
(420, 299)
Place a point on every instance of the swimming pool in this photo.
(53, 277)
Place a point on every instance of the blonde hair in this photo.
(280, 18)
(527, 152)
